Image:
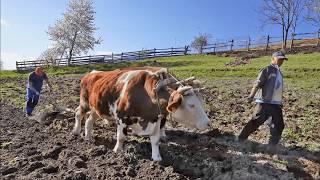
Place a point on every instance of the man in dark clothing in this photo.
(269, 86)
(35, 82)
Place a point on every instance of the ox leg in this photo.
(163, 135)
(121, 137)
(78, 118)
(155, 139)
(89, 125)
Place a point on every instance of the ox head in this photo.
(186, 107)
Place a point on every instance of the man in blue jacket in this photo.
(35, 82)
(267, 92)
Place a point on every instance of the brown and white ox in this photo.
(139, 99)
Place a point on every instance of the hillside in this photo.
(33, 150)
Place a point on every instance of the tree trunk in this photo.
(71, 49)
(282, 36)
(69, 57)
(284, 47)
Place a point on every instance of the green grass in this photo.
(4, 74)
(302, 70)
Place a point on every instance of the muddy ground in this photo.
(47, 150)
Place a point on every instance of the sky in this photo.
(131, 25)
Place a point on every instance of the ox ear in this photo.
(174, 102)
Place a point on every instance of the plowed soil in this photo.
(46, 150)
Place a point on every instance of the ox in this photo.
(138, 99)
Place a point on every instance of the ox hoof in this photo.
(75, 132)
(116, 150)
(118, 147)
(164, 139)
(156, 158)
(88, 138)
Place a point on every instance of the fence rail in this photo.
(110, 58)
(264, 43)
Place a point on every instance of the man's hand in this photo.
(37, 93)
(250, 99)
(49, 86)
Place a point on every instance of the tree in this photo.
(313, 12)
(52, 55)
(74, 34)
(282, 12)
(199, 42)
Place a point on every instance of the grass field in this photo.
(302, 70)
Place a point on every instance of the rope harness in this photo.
(161, 115)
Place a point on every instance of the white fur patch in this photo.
(162, 70)
(113, 109)
(138, 130)
(125, 78)
(95, 71)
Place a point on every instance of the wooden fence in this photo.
(264, 43)
(111, 58)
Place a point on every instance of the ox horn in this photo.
(184, 89)
(186, 80)
(163, 83)
(190, 79)
(199, 89)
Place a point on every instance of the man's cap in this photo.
(279, 55)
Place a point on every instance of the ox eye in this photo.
(192, 105)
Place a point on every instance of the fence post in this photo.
(154, 52)
(268, 40)
(231, 46)
(249, 43)
(186, 50)
(318, 43)
(142, 54)
(90, 59)
(214, 48)
(121, 56)
(171, 51)
(292, 39)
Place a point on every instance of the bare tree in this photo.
(74, 34)
(282, 12)
(199, 42)
(313, 14)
